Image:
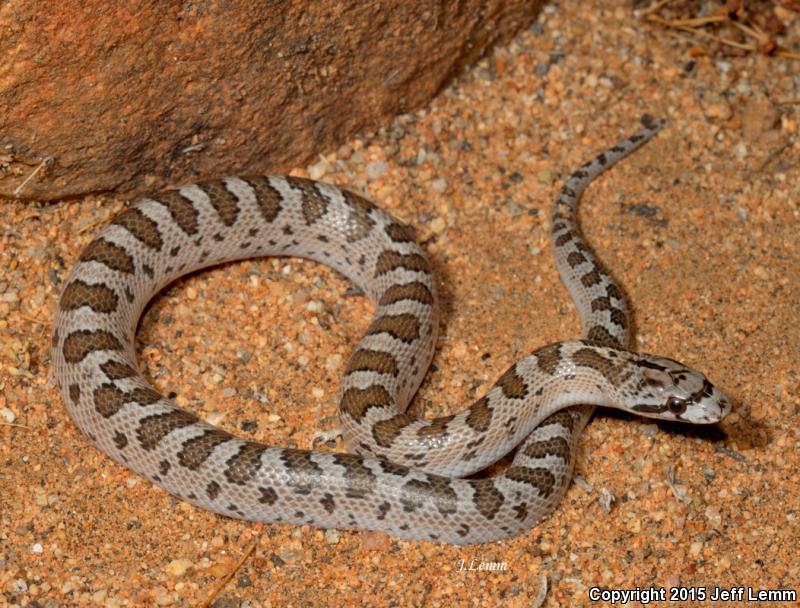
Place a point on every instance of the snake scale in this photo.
(403, 475)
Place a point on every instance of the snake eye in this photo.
(676, 405)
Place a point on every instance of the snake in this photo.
(410, 477)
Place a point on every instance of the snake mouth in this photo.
(649, 408)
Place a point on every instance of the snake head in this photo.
(672, 391)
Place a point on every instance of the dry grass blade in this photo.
(227, 578)
(734, 18)
(701, 33)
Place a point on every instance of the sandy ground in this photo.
(700, 226)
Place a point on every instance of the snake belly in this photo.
(404, 475)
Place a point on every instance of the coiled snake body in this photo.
(404, 476)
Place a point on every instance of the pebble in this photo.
(320, 169)
(376, 169)
(344, 151)
(290, 556)
(713, 516)
(650, 430)
(178, 567)
(165, 597)
(7, 415)
(333, 362)
(315, 306)
(332, 536)
(542, 68)
(719, 110)
(606, 499)
(438, 225)
(99, 597)
(439, 184)
(214, 417)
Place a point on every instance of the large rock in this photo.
(127, 96)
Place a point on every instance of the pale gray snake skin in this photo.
(405, 474)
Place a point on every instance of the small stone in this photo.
(513, 209)
(18, 586)
(719, 110)
(438, 226)
(713, 516)
(317, 393)
(376, 169)
(439, 184)
(279, 563)
(315, 306)
(273, 418)
(582, 483)
(218, 542)
(606, 499)
(37, 548)
(178, 567)
(99, 597)
(332, 362)
(650, 430)
(290, 556)
(218, 570)
(7, 415)
(40, 499)
(544, 176)
(165, 598)
(332, 536)
(320, 169)
(644, 210)
(214, 417)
